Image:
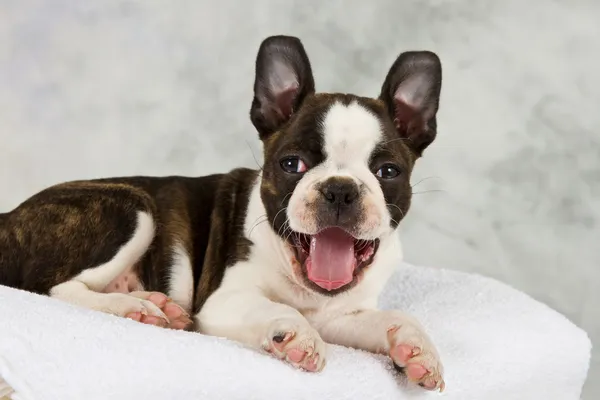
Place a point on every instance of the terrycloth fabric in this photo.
(496, 343)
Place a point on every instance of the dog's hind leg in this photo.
(86, 289)
(113, 288)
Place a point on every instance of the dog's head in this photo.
(336, 174)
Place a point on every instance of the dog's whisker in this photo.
(258, 221)
(259, 218)
(284, 228)
(361, 245)
(293, 242)
(276, 215)
(281, 231)
(286, 223)
(260, 168)
(285, 197)
(425, 179)
(257, 224)
(399, 209)
(289, 235)
(290, 231)
(429, 191)
(395, 140)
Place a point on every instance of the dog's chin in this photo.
(333, 260)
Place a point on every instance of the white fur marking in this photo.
(350, 135)
(128, 255)
(181, 280)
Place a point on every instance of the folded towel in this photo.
(495, 342)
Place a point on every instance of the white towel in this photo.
(495, 342)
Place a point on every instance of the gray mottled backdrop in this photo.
(103, 88)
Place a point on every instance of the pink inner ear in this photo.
(412, 106)
(408, 120)
(285, 101)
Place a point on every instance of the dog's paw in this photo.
(139, 309)
(413, 354)
(296, 342)
(171, 315)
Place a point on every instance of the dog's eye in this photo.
(293, 165)
(388, 171)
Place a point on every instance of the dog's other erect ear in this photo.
(283, 79)
(411, 92)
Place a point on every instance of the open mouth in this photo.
(333, 258)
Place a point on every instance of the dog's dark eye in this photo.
(293, 165)
(388, 171)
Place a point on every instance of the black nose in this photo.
(339, 192)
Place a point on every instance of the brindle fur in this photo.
(67, 228)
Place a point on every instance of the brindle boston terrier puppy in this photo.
(282, 259)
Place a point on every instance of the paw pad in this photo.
(415, 356)
(299, 345)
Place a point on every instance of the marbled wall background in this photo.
(117, 87)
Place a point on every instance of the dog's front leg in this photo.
(249, 317)
(388, 332)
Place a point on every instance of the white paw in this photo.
(413, 353)
(121, 304)
(296, 342)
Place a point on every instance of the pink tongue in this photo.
(331, 261)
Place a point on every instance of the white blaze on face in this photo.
(350, 134)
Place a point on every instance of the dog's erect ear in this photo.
(411, 92)
(283, 79)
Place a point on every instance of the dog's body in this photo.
(283, 259)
